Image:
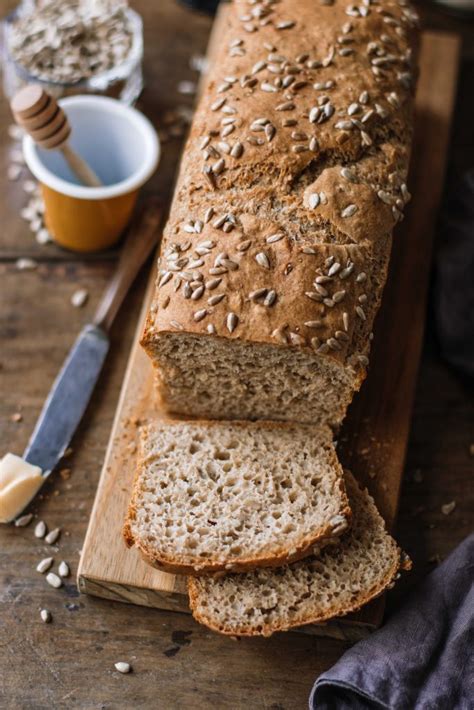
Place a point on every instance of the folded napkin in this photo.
(422, 659)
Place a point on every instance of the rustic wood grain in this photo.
(69, 663)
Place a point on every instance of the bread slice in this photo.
(216, 496)
(339, 580)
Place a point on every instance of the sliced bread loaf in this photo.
(214, 496)
(340, 579)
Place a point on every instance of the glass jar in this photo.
(123, 82)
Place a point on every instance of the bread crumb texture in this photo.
(340, 579)
(227, 496)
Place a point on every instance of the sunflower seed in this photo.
(176, 325)
(237, 150)
(346, 272)
(46, 616)
(270, 131)
(270, 298)
(53, 580)
(314, 200)
(232, 322)
(199, 315)
(321, 290)
(40, 529)
(280, 335)
(44, 565)
(213, 283)
(208, 215)
(345, 320)
(214, 300)
(79, 297)
(218, 167)
(259, 293)
(348, 175)
(262, 260)
(296, 339)
(274, 238)
(448, 508)
(361, 277)
(314, 296)
(349, 211)
(211, 329)
(313, 323)
(313, 144)
(243, 246)
(218, 104)
(25, 264)
(360, 312)
(123, 667)
(63, 569)
(23, 520)
(314, 114)
(385, 197)
(197, 293)
(53, 536)
(335, 267)
(338, 296)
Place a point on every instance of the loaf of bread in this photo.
(276, 251)
(214, 496)
(339, 580)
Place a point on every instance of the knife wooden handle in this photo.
(143, 236)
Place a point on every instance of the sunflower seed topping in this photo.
(360, 312)
(262, 260)
(349, 211)
(232, 321)
(314, 200)
(270, 298)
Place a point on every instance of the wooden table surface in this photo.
(70, 662)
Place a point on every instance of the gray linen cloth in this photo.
(422, 659)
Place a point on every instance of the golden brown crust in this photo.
(177, 564)
(332, 182)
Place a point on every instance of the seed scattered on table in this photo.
(53, 580)
(63, 569)
(26, 264)
(23, 520)
(16, 417)
(79, 297)
(44, 565)
(448, 508)
(46, 616)
(123, 667)
(40, 529)
(52, 536)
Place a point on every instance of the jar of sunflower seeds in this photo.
(74, 47)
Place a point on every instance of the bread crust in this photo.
(178, 565)
(359, 161)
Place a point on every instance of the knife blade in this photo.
(73, 387)
(68, 399)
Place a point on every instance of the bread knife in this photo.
(73, 387)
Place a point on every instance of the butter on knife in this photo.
(19, 483)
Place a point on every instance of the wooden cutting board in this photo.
(374, 438)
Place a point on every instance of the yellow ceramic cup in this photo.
(121, 146)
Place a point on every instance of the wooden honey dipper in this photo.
(40, 116)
